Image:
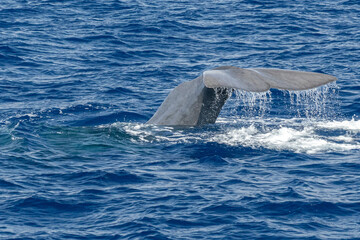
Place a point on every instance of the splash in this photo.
(312, 127)
(317, 103)
(252, 104)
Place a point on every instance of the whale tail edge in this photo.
(262, 79)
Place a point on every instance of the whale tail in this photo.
(199, 101)
(262, 79)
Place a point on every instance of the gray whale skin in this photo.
(199, 101)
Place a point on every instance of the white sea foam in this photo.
(295, 135)
(30, 115)
(352, 125)
(287, 137)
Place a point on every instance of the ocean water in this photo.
(79, 79)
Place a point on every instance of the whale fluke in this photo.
(199, 101)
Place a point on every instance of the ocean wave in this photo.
(321, 208)
(99, 178)
(8, 184)
(46, 205)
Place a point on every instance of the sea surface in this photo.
(79, 79)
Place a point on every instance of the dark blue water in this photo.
(78, 80)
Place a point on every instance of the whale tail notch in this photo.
(199, 101)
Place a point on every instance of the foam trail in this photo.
(294, 135)
(352, 125)
(288, 137)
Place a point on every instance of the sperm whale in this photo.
(199, 102)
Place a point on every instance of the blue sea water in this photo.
(78, 80)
